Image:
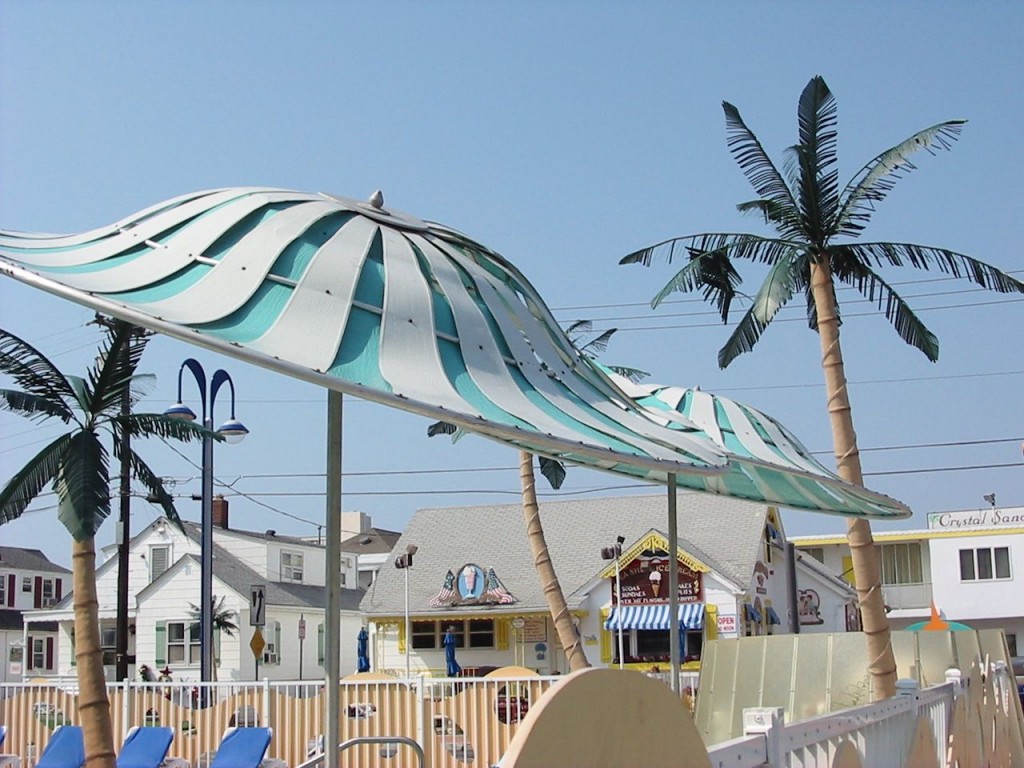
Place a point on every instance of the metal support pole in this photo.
(332, 629)
(123, 536)
(206, 561)
(673, 586)
(618, 601)
(408, 634)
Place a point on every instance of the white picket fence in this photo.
(458, 723)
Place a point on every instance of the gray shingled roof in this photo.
(723, 533)
(375, 541)
(28, 560)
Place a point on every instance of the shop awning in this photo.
(691, 616)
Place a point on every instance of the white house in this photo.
(969, 563)
(164, 588)
(473, 571)
(28, 580)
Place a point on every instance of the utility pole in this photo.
(124, 522)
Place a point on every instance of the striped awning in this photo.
(691, 616)
(375, 303)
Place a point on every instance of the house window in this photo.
(424, 635)
(49, 595)
(39, 653)
(108, 644)
(291, 566)
(26, 584)
(159, 561)
(984, 564)
(901, 563)
(1011, 643)
(272, 650)
(818, 553)
(481, 633)
(3, 589)
(183, 645)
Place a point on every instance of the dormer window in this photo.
(291, 566)
(159, 561)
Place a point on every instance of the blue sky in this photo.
(563, 135)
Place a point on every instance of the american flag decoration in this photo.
(447, 593)
(495, 591)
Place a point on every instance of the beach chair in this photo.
(245, 748)
(65, 749)
(7, 761)
(146, 747)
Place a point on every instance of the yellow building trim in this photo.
(501, 633)
(606, 638)
(710, 621)
(654, 541)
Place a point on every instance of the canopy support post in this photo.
(673, 586)
(332, 618)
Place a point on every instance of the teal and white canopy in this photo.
(382, 305)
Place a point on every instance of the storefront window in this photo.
(429, 635)
(424, 635)
(481, 633)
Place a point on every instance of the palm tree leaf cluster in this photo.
(814, 222)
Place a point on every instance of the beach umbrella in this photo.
(450, 641)
(363, 650)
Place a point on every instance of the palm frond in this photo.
(83, 486)
(31, 479)
(782, 217)
(818, 187)
(552, 470)
(760, 171)
(633, 374)
(168, 427)
(153, 483)
(119, 356)
(776, 290)
(666, 249)
(899, 314)
(710, 272)
(34, 407)
(33, 371)
(872, 183)
(578, 327)
(441, 428)
(926, 257)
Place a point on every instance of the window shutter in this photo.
(11, 581)
(158, 557)
(37, 597)
(49, 653)
(501, 630)
(28, 652)
(710, 621)
(216, 645)
(58, 585)
(277, 640)
(607, 636)
(321, 657)
(401, 637)
(161, 644)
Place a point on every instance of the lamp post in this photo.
(233, 431)
(615, 553)
(404, 563)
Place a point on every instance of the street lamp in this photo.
(615, 553)
(404, 562)
(233, 431)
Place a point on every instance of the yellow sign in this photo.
(257, 643)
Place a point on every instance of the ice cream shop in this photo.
(473, 580)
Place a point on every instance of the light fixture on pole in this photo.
(615, 553)
(404, 563)
(233, 431)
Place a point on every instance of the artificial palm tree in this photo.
(77, 466)
(816, 224)
(223, 620)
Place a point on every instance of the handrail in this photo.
(369, 740)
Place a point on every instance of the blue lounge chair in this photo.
(66, 749)
(145, 747)
(7, 761)
(242, 748)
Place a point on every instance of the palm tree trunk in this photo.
(866, 571)
(568, 637)
(93, 706)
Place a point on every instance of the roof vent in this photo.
(366, 540)
(271, 532)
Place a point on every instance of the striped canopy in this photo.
(765, 457)
(382, 305)
(691, 616)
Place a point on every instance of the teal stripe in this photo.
(455, 369)
(370, 286)
(219, 248)
(255, 317)
(294, 259)
(166, 288)
(359, 352)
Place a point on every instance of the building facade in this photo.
(164, 585)
(473, 573)
(969, 563)
(28, 580)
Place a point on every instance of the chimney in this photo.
(220, 512)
